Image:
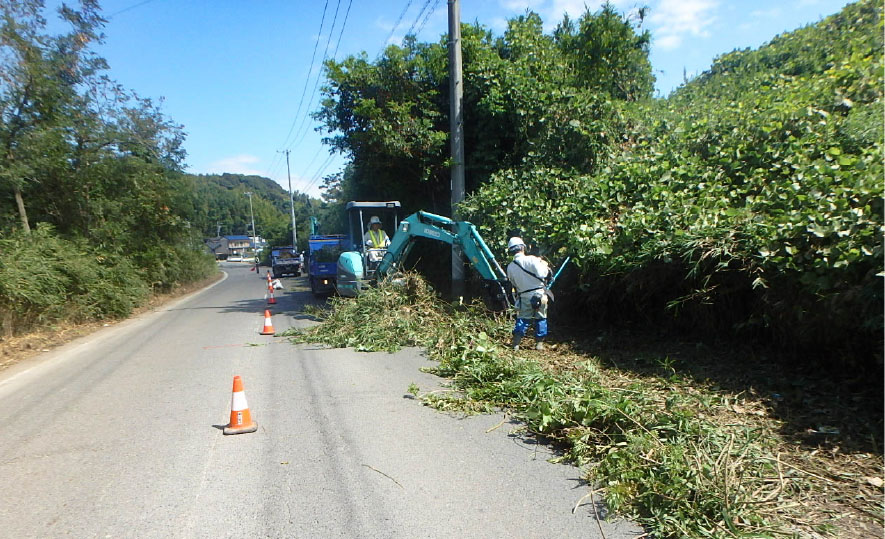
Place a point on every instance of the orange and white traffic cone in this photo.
(240, 418)
(268, 325)
(271, 300)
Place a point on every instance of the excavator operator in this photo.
(376, 240)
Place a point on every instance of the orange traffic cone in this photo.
(268, 325)
(240, 418)
(271, 300)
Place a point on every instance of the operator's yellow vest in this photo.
(377, 242)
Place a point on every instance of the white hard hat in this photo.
(374, 220)
(515, 244)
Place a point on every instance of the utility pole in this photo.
(291, 203)
(252, 215)
(456, 122)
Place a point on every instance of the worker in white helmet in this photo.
(376, 240)
(529, 276)
(375, 237)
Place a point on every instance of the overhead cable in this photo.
(427, 17)
(301, 132)
(310, 69)
(418, 18)
(399, 20)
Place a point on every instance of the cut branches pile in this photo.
(683, 458)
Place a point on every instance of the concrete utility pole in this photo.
(252, 215)
(456, 122)
(291, 203)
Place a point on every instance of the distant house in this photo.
(217, 246)
(225, 246)
(238, 243)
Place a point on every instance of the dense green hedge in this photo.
(750, 200)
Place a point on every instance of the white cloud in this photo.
(237, 164)
(383, 24)
(675, 19)
(669, 41)
(574, 8)
(522, 5)
(766, 13)
(498, 24)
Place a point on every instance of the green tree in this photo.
(39, 77)
(609, 53)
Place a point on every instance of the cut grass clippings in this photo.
(681, 457)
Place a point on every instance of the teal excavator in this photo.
(363, 266)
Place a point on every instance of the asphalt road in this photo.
(119, 435)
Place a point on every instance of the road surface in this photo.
(119, 435)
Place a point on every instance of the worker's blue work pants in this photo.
(522, 324)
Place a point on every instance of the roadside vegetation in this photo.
(748, 203)
(688, 452)
(96, 213)
(746, 207)
(91, 222)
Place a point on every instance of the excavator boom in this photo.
(461, 233)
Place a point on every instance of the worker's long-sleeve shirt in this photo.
(521, 280)
(529, 284)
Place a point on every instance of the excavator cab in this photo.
(357, 267)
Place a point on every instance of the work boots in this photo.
(516, 340)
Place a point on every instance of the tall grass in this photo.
(45, 279)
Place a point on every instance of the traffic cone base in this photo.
(240, 418)
(268, 325)
(241, 430)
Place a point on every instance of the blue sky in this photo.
(238, 74)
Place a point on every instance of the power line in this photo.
(319, 173)
(427, 17)
(303, 127)
(306, 116)
(125, 9)
(301, 134)
(306, 129)
(341, 33)
(399, 20)
(312, 159)
(418, 18)
(276, 162)
(310, 70)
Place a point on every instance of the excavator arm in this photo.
(461, 233)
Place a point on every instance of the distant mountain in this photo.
(220, 206)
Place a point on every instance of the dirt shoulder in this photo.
(21, 347)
